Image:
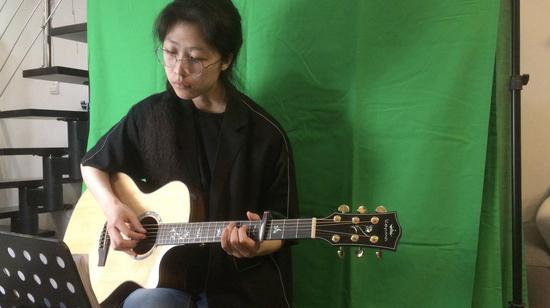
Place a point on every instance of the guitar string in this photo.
(208, 230)
(216, 228)
(327, 222)
(269, 221)
(217, 239)
(249, 232)
(153, 235)
(206, 238)
(208, 227)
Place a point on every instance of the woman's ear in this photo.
(227, 63)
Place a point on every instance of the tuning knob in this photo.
(359, 253)
(344, 208)
(362, 209)
(381, 209)
(340, 252)
(379, 254)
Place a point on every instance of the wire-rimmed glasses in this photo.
(192, 66)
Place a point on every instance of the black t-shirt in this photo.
(209, 126)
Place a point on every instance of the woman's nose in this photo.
(181, 67)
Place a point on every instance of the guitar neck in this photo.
(210, 232)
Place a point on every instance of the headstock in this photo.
(379, 230)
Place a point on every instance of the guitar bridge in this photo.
(103, 247)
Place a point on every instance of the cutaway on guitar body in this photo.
(110, 268)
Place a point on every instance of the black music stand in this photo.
(38, 272)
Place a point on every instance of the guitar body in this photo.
(169, 204)
(173, 216)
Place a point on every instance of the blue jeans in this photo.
(163, 298)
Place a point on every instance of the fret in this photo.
(219, 230)
(277, 229)
(254, 231)
(186, 232)
(197, 232)
(284, 229)
(269, 229)
(211, 233)
(257, 231)
(307, 231)
(250, 231)
(160, 235)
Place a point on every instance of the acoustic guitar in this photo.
(167, 215)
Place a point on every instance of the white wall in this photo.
(30, 93)
(535, 60)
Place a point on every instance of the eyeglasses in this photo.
(191, 66)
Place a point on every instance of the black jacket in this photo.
(158, 142)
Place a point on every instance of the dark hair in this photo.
(219, 21)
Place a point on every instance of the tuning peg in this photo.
(340, 252)
(381, 209)
(344, 208)
(362, 209)
(359, 253)
(379, 254)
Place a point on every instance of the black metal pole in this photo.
(517, 82)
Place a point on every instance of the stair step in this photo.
(6, 183)
(35, 151)
(58, 73)
(13, 211)
(8, 212)
(45, 114)
(18, 183)
(41, 233)
(76, 32)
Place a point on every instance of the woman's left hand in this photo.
(236, 242)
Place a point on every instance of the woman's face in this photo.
(185, 42)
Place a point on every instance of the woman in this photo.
(205, 133)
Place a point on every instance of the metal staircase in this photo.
(59, 165)
(77, 32)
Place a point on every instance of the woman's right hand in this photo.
(123, 227)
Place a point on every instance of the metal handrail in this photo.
(46, 28)
(2, 7)
(44, 25)
(11, 19)
(19, 36)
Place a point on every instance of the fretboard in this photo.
(210, 232)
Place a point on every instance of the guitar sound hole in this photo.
(151, 225)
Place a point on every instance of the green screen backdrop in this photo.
(400, 103)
